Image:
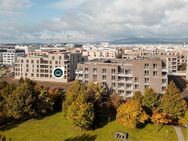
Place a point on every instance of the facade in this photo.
(10, 56)
(100, 53)
(125, 76)
(40, 66)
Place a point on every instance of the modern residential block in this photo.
(125, 76)
(40, 66)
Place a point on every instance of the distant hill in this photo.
(149, 40)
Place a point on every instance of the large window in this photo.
(146, 66)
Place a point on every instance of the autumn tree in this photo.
(172, 102)
(131, 114)
(161, 118)
(81, 113)
(137, 95)
(76, 89)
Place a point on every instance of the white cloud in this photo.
(110, 19)
(12, 7)
(88, 20)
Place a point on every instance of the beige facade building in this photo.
(100, 53)
(125, 76)
(40, 65)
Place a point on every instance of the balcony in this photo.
(121, 88)
(79, 77)
(79, 72)
(125, 75)
(165, 70)
(129, 88)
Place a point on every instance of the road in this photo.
(179, 133)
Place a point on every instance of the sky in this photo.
(91, 20)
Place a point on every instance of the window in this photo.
(86, 69)
(104, 83)
(128, 71)
(104, 77)
(113, 71)
(86, 75)
(146, 80)
(136, 86)
(113, 77)
(146, 86)
(136, 79)
(94, 77)
(154, 66)
(103, 70)
(146, 73)
(94, 70)
(154, 73)
(113, 84)
(146, 66)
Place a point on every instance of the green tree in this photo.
(150, 100)
(43, 103)
(81, 113)
(131, 114)
(76, 89)
(94, 92)
(19, 102)
(172, 102)
(137, 96)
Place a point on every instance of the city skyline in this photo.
(91, 20)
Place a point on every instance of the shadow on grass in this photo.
(10, 125)
(83, 137)
(15, 123)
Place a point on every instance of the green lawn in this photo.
(185, 133)
(56, 128)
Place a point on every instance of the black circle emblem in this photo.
(58, 73)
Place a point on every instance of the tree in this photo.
(43, 103)
(76, 89)
(161, 118)
(81, 113)
(94, 92)
(172, 102)
(115, 100)
(19, 102)
(137, 96)
(26, 100)
(131, 114)
(150, 100)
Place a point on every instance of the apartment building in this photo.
(40, 66)
(10, 56)
(100, 53)
(125, 76)
(172, 58)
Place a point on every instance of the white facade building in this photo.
(9, 57)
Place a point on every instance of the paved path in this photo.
(179, 133)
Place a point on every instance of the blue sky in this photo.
(91, 20)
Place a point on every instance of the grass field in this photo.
(185, 133)
(56, 128)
